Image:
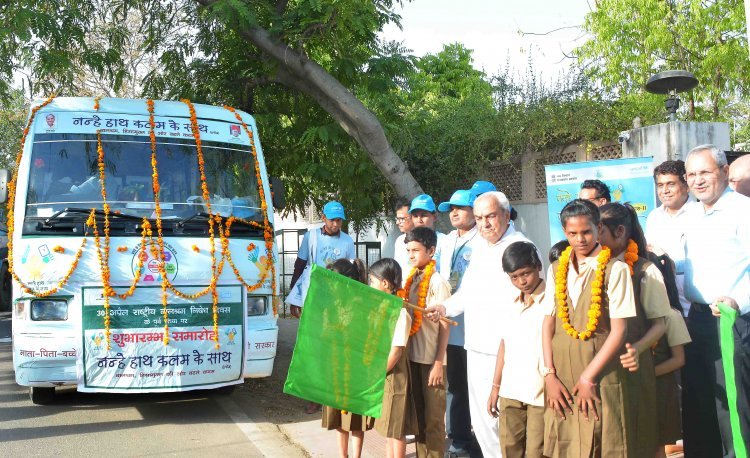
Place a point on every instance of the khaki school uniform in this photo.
(651, 302)
(521, 419)
(336, 419)
(667, 388)
(429, 401)
(397, 414)
(574, 436)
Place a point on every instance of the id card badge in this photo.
(453, 280)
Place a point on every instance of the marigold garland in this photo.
(424, 287)
(267, 230)
(561, 294)
(58, 249)
(631, 255)
(122, 249)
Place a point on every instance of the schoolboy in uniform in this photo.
(518, 383)
(427, 343)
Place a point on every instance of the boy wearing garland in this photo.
(427, 343)
(589, 298)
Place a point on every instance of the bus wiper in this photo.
(86, 211)
(208, 216)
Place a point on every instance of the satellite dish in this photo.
(671, 82)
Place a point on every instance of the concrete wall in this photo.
(673, 140)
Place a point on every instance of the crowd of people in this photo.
(614, 351)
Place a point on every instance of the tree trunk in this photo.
(297, 71)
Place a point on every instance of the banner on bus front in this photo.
(138, 359)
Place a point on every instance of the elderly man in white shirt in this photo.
(717, 269)
(485, 289)
(665, 226)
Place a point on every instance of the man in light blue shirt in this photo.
(717, 269)
(322, 246)
(455, 255)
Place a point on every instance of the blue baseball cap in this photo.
(333, 210)
(422, 202)
(480, 187)
(460, 198)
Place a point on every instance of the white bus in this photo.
(116, 286)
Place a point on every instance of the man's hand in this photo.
(434, 313)
(558, 396)
(295, 311)
(436, 374)
(586, 392)
(630, 359)
(492, 407)
(726, 300)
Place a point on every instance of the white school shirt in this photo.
(485, 290)
(402, 257)
(522, 334)
(717, 251)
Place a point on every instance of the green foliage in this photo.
(631, 40)
(13, 112)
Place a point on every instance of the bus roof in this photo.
(138, 107)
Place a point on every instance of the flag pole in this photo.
(420, 309)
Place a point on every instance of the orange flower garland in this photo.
(267, 230)
(631, 255)
(424, 287)
(58, 249)
(561, 293)
(158, 250)
(145, 230)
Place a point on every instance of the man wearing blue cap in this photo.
(319, 246)
(480, 187)
(422, 211)
(455, 256)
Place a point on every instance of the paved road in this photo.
(196, 423)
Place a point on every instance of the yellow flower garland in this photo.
(561, 293)
(631, 255)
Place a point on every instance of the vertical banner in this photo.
(629, 180)
(138, 360)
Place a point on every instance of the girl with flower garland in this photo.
(589, 298)
(347, 422)
(622, 234)
(427, 343)
(397, 414)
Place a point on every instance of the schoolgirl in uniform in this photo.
(622, 233)
(589, 298)
(397, 414)
(346, 422)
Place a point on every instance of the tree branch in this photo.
(539, 34)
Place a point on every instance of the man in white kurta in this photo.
(484, 292)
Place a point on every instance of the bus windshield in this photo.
(64, 174)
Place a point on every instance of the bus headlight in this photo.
(256, 305)
(49, 310)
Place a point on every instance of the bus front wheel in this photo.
(41, 395)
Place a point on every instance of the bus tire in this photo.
(6, 288)
(41, 395)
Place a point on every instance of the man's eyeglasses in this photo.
(400, 219)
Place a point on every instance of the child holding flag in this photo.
(428, 340)
(398, 413)
(347, 422)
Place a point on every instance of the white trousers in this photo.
(480, 368)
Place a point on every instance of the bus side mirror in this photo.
(278, 194)
(3, 185)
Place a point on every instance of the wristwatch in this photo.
(548, 370)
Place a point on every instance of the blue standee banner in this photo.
(629, 180)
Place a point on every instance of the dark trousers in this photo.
(705, 412)
(458, 419)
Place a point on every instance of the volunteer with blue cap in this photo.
(422, 211)
(455, 254)
(480, 187)
(321, 246)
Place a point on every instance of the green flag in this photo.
(726, 326)
(343, 342)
